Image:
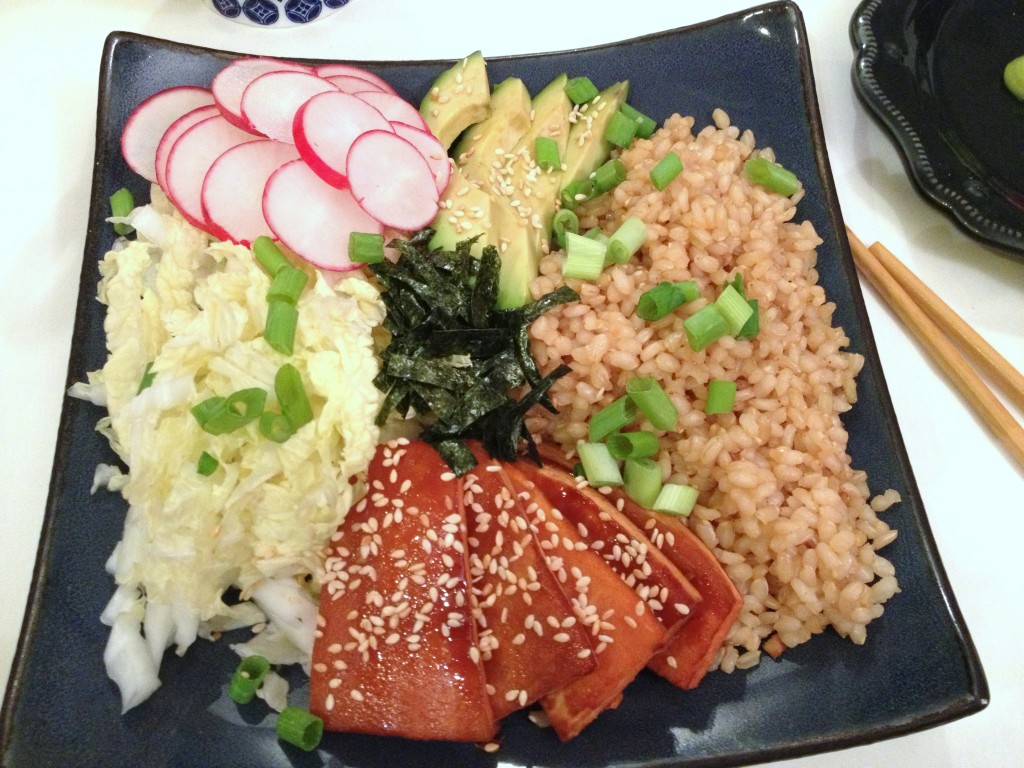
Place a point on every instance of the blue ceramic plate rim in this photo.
(59, 708)
(902, 98)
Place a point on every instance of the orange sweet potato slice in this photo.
(688, 655)
(530, 639)
(625, 633)
(656, 579)
(396, 649)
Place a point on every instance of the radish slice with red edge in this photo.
(394, 108)
(232, 196)
(190, 159)
(391, 180)
(149, 121)
(325, 127)
(271, 101)
(353, 84)
(312, 218)
(338, 68)
(433, 152)
(172, 134)
(230, 83)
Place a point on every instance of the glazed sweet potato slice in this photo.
(530, 639)
(625, 633)
(613, 535)
(687, 656)
(396, 648)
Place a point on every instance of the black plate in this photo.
(918, 669)
(932, 72)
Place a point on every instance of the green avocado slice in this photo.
(459, 97)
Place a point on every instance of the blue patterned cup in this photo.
(276, 14)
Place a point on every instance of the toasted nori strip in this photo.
(453, 357)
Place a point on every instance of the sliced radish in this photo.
(394, 108)
(338, 69)
(149, 121)
(230, 83)
(392, 181)
(312, 218)
(171, 135)
(271, 101)
(433, 152)
(191, 157)
(232, 196)
(325, 127)
(353, 84)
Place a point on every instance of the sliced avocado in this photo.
(587, 148)
(466, 211)
(459, 97)
(519, 246)
(483, 142)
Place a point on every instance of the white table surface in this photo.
(49, 63)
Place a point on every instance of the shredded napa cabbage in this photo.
(194, 311)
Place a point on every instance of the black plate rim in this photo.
(921, 148)
(973, 700)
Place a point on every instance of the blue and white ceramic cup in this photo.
(276, 14)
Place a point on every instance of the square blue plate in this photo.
(918, 668)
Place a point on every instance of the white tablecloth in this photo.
(49, 62)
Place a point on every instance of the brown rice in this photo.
(780, 504)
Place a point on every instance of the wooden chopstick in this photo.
(1007, 378)
(942, 350)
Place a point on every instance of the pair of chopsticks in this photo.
(947, 338)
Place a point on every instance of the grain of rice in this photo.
(780, 503)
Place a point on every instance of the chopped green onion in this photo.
(207, 464)
(633, 445)
(737, 283)
(642, 480)
(545, 152)
(584, 258)
(247, 679)
(734, 308)
(576, 192)
(300, 728)
(645, 126)
(282, 320)
(608, 176)
(275, 426)
(564, 221)
(599, 466)
(705, 326)
(365, 248)
(577, 469)
(772, 176)
(612, 418)
(1013, 77)
(270, 257)
(665, 297)
(626, 240)
(595, 233)
(752, 327)
(667, 169)
(675, 499)
(220, 415)
(620, 130)
(652, 401)
(287, 285)
(291, 394)
(721, 396)
(580, 90)
(121, 204)
(147, 378)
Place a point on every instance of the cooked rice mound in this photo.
(780, 504)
